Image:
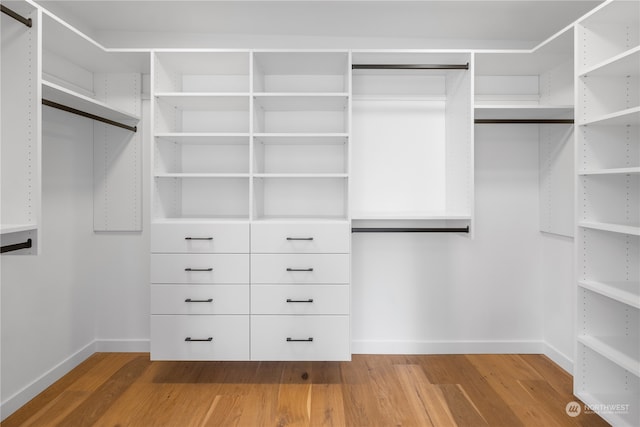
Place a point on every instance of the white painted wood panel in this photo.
(199, 268)
(200, 299)
(299, 268)
(300, 237)
(200, 237)
(300, 299)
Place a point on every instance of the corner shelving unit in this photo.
(81, 77)
(21, 124)
(535, 88)
(607, 367)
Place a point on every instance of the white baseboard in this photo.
(122, 346)
(447, 347)
(13, 403)
(558, 358)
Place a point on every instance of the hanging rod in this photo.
(524, 121)
(88, 115)
(26, 21)
(17, 246)
(410, 66)
(409, 230)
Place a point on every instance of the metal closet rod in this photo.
(410, 66)
(88, 115)
(26, 21)
(410, 229)
(17, 246)
(525, 121)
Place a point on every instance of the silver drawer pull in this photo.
(299, 300)
(189, 339)
(198, 238)
(299, 269)
(289, 339)
(198, 269)
(300, 238)
(198, 300)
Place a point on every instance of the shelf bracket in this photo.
(88, 115)
(26, 21)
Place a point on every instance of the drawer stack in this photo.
(200, 291)
(300, 291)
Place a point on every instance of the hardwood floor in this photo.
(127, 389)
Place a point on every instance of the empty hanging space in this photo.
(412, 140)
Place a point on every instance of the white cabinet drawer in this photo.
(299, 268)
(199, 337)
(200, 238)
(301, 238)
(300, 299)
(199, 268)
(300, 338)
(199, 299)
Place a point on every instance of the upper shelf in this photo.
(628, 117)
(69, 98)
(523, 112)
(623, 64)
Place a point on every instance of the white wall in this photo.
(86, 291)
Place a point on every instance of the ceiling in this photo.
(522, 23)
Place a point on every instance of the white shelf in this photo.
(192, 220)
(615, 228)
(410, 216)
(625, 292)
(624, 64)
(214, 101)
(605, 399)
(523, 111)
(69, 98)
(299, 218)
(204, 138)
(300, 175)
(17, 228)
(202, 175)
(283, 137)
(616, 349)
(629, 116)
(302, 101)
(612, 171)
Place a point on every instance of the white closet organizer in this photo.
(21, 122)
(607, 370)
(536, 88)
(413, 135)
(81, 77)
(250, 180)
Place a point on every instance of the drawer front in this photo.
(222, 337)
(301, 238)
(200, 238)
(199, 268)
(300, 338)
(199, 299)
(299, 268)
(300, 299)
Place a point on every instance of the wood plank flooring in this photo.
(127, 389)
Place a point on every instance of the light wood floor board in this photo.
(127, 389)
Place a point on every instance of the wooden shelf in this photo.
(615, 228)
(625, 292)
(69, 98)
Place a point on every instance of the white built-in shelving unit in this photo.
(21, 122)
(607, 366)
(412, 139)
(536, 88)
(251, 162)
